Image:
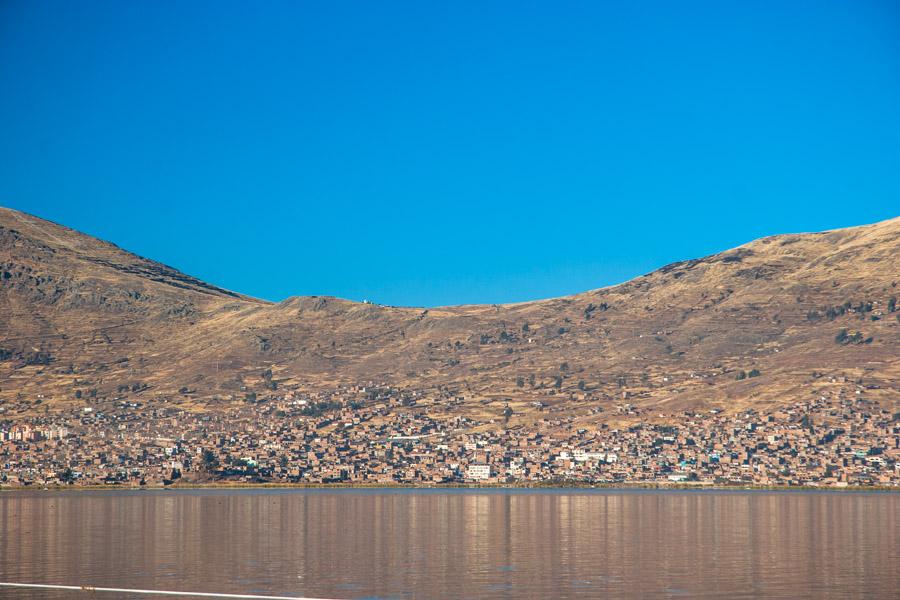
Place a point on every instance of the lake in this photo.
(456, 543)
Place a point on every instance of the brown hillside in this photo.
(78, 315)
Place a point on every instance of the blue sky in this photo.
(428, 153)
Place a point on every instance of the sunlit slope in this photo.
(77, 313)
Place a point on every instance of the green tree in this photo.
(67, 476)
(209, 460)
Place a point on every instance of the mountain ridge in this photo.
(8, 215)
(83, 315)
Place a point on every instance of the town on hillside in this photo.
(388, 436)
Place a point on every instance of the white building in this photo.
(478, 472)
(584, 456)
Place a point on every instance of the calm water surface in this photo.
(456, 544)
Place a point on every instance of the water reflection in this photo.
(430, 544)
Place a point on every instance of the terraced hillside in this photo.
(769, 322)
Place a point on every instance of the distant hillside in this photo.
(84, 321)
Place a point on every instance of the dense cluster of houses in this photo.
(384, 436)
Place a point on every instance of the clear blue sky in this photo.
(429, 153)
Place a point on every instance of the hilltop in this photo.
(770, 322)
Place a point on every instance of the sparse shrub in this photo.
(38, 358)
(857, 337)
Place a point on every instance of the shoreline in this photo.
(537, 486)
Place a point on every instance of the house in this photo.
(478, 472)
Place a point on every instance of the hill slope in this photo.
(81, 318)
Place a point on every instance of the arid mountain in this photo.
(771, 321)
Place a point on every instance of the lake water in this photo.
(456, 544)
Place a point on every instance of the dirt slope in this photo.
(81, 317)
